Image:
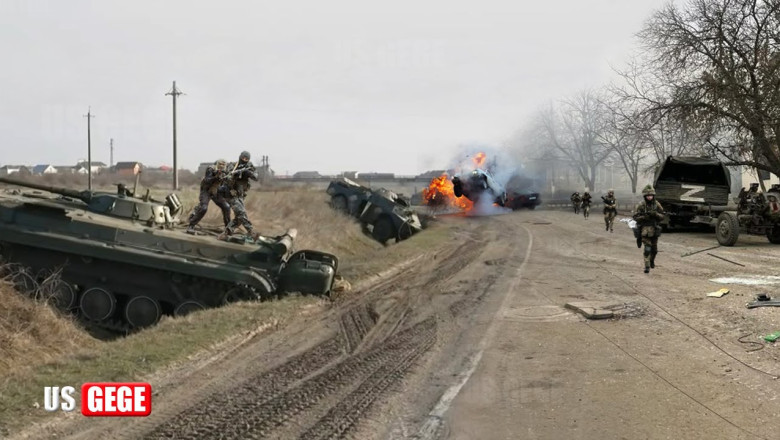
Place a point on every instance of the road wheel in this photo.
(339, 203)
(727, 230)
(774, 234)
(383, 230)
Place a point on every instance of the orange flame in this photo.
(479, 160)
(440, 193)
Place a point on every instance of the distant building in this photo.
(375, 176)
(307, 175)
(165, 169)
(97, 167)
(66, 169)
(40, 170)
(8, 170)
(432, 174)
(128, 168)
(202, 167)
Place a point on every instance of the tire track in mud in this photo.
(253, 410)
(323, 393)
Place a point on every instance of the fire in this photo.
(479, 160)
(440, 192)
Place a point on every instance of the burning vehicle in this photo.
(478, 184)
(383, 213)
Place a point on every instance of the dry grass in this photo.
(319, 226)
(32, 333)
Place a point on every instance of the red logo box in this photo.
(116, 399)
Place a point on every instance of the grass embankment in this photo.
(39, 347)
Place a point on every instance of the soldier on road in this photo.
(235, 188)
(209, 191)
(647, 215)
(586, 199)
(575, 200)
(610, 209)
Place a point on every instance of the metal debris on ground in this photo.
(688, 254)
(606, 310)
(758, 344)
(772, 337)
(718, 293)
(763, 300)
(725, 259)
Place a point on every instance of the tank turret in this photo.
(123, 203)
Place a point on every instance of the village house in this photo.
(128, 168)
(8, 170)
(39, 170)
(97, 167)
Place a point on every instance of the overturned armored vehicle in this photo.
(386, 214)
(478, 184)
(692, 189)
(121, 264)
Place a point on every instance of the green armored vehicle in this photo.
(387, 214)
(122, 263)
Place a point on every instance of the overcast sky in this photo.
(317, 85)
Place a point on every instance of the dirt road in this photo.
(473, 341)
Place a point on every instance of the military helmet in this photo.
(245, 154)
(648, 191)
(610, 191)
(754, 185)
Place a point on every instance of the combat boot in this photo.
(652, 261)
(647, 269)
(191, 229)
(254, 235)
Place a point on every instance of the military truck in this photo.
(691, 190)
(384, 214)
(757, 214)
(121, 261)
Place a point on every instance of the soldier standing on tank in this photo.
(586, 198)
(647, 215)
(610, 209)
(209, 191)
(575, 200)
(235, 188)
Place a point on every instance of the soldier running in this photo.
(575, 200)
(209, 191)
(610, 209)
(586, 198)
(235, 189)
(647, 215)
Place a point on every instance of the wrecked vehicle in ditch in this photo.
(757, 214)
(121, 262)
(478, 184)
(385, 214)
(691, 190)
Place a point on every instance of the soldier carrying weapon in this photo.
(575, 200)
(586, 199)
(209, 191)
(234, 189)
(647, 215)
(610, 209)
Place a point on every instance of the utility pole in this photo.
(111, 142)
(89, 117)
(174, 93)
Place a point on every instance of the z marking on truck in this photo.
(693, 189)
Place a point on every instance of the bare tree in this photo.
(716, 66)
(626, 137)
(574, 130)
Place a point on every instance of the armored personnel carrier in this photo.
(122, 262)
(387, 214)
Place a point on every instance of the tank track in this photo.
(31, 271)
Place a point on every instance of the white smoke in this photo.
(500, 165)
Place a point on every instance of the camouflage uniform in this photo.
(209, 191)
(586, 198)
(575, 200)
(235, 189)
(647, 215)
(610, 209)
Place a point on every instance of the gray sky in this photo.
(329, 86)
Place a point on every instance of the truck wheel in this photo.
(727, 230)
(339, 203)
(774, 234)
(383, 230)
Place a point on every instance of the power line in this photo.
(89, 117)
(174, 93)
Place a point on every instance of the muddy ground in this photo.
(472, 340)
